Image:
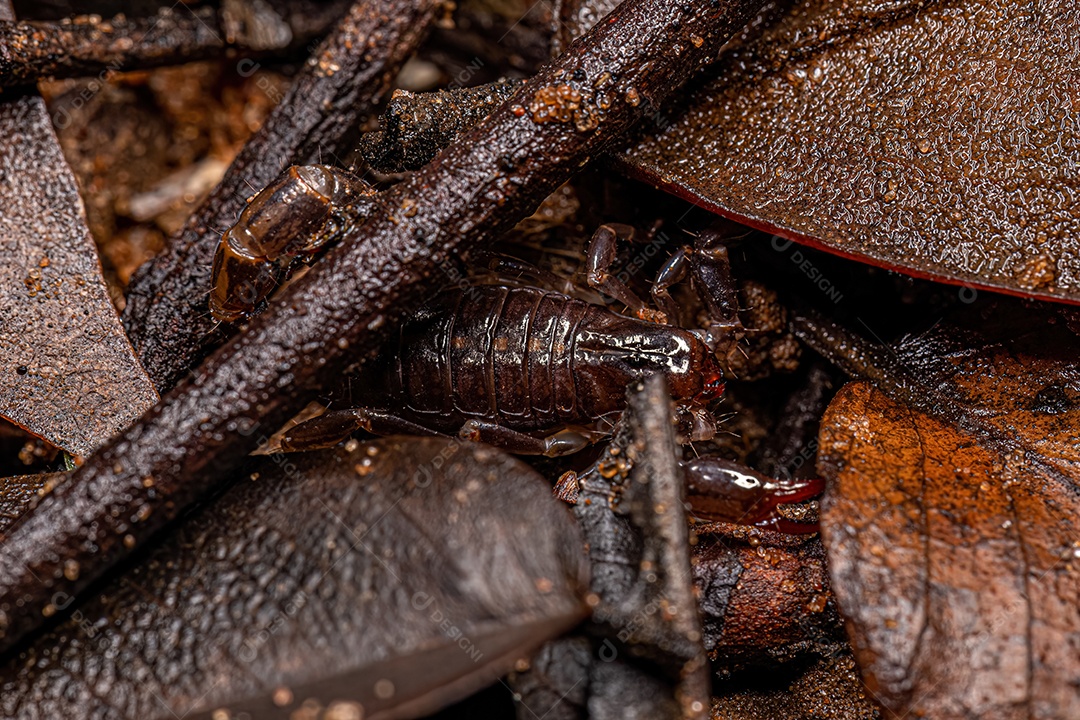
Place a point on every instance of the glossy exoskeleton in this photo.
(496, 363)
(723, 491)
(720, 490)
(289, 220)
(523, 368)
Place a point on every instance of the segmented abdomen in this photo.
(498, 353)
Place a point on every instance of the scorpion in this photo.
(720, 490)
(528, 369)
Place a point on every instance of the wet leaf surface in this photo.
(940, 138)
(405, 573)
(19, 494)
(953, 551)
(67, 371)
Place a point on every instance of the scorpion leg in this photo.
(712, 275)
(335, 426)
(507, 267)
(563, 442)
(601, 256)
(671, 273)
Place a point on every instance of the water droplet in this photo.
(282, 696)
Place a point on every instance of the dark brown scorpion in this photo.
(527, 369)
(493, 363)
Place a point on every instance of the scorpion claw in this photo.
(290, 218)
(720, 490)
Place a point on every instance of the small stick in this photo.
(166, 316)
(89, 46)
(478, 188)
(416, 126)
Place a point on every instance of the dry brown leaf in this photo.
(955, 558)
(67, 371)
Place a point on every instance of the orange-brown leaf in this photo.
(954, 559)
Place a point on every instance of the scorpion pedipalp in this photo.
(724, 491)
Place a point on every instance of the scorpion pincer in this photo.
(531, 370)
(721, 491)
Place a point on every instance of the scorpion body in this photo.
(495, 363)
(506, 364)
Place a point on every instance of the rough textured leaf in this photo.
(19, 494)
(951, 535)
(940, 138)
(67, 371)
(402, 575)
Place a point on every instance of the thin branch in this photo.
(91, 46)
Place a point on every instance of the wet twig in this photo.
(88, 45)
(416, 126)
(478, 188)
(346, 78)
(655, 503)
